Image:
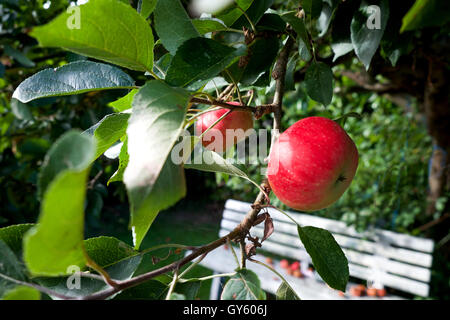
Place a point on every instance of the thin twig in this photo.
(243, 254)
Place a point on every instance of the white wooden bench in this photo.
(396, 260)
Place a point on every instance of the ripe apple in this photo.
(295, 265)
(284, 264)
(381, 292)
(312, 164)
(233, 122)
(371, 292)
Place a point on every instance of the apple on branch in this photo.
(232, 129)
(312, 164)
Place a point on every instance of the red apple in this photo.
(232, 123)
(312, 164)
(295, 265)
(284, 264)
(381, 292)
(371, 292)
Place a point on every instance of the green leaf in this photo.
(160, 67)
(233, 12)
(123, 163)
(147, 7)
(365, 41)
(177, 296)
(341, 43)
(289, 83)
(167, 190)
(106, 251)
(206, 25)
(304, 46)
(426, 13)
(12, 236)
(327, 257)
(188, 289)
(122, 270)
(10, 267)
(72, 78)
(324, 19)
(56, 242)
(21, 110)
(109, 30)
(263, 52)
(108, 130)
(244, 285)
(18, 56)
(319, 82)
(200, 59)
(22, 293)
(149, 290)
(172, 24)
(271, 22)
(123, 103)
(70, 152)
(285, 292)
(156, 123)
(312, 8)
(254, 12)
(213, 162)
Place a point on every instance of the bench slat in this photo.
(404, 255)
(400, 240)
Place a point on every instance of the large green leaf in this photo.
(167, 190)
(10, 267)
(327, 257)
(56, 242)
(173, 25)
(285, 292)
(366, 41)
(72, 78)
(319, 82)
(108, 130)
(426, 13)
(109, 30)
(244, 285)
(106, 251)
(156, 123)
(200, 59)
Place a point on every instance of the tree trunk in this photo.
(437, 113)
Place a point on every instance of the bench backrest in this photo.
(396, 260)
